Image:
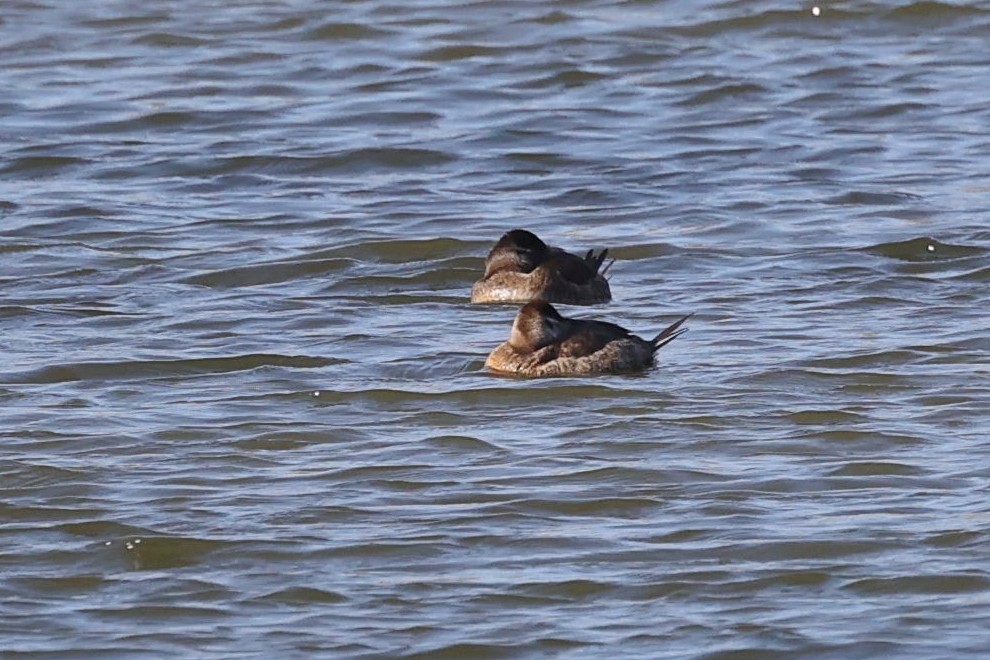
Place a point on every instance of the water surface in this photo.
(244, 409)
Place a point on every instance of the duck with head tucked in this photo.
(544, 343)
(521, 268)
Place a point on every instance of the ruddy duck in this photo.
(521, 268)
(544, 343)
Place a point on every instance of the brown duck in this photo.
(521, 268)
(544, 343)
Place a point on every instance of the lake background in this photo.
(242, 399)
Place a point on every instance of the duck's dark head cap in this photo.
(522, 240)
(517, 251)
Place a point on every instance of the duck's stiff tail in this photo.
(595, 261)
(670, 333)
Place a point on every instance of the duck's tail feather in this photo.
(607, 266)
(594, 261)
(670, 333)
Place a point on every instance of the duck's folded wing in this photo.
(590, 337)
(571, 267)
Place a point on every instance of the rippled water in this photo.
(243, 403)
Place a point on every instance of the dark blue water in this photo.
(243, 409)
